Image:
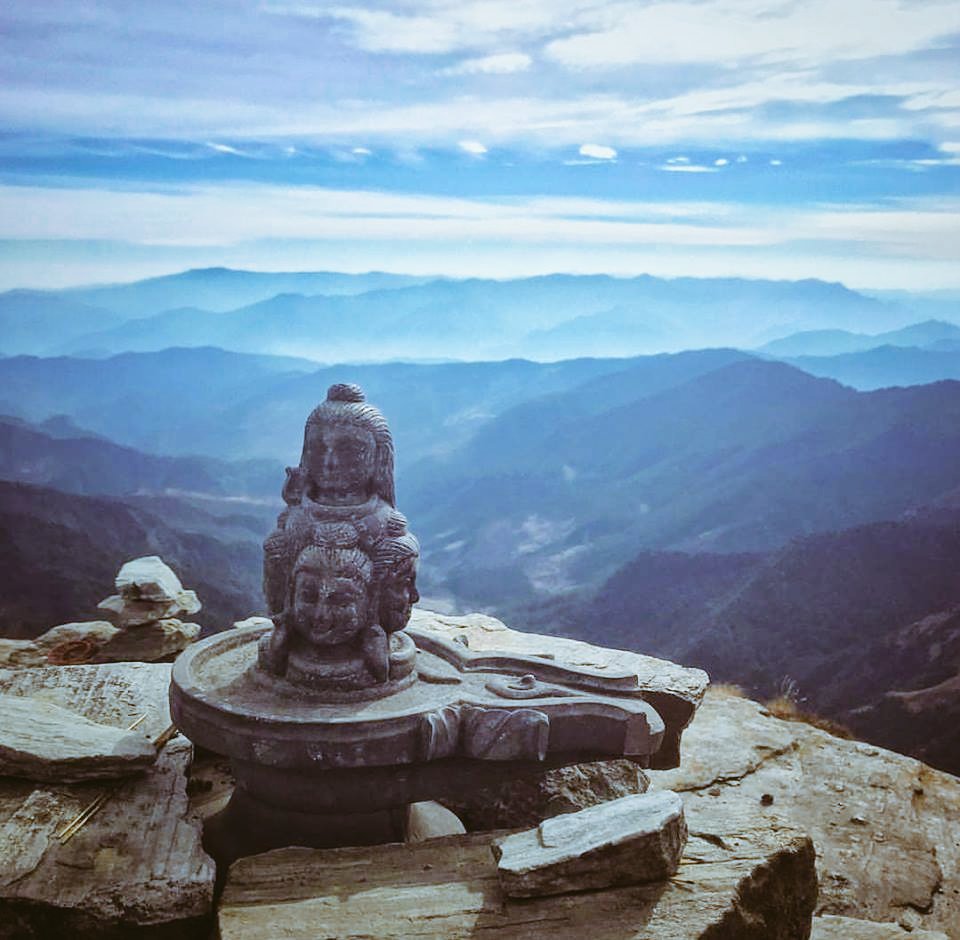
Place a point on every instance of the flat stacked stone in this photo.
(137, 867)
(146, 608)
(635, 839)
(46, 742)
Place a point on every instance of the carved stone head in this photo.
(329, 595)
(396, 563)
(347, 451)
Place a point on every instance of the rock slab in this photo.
(42, 741)
(756, 884)
(884, 825)
(832, 927)
(632, 840)
(137, 868)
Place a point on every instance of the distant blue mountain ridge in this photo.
(333, 317)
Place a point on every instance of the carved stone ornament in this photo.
(336, 716)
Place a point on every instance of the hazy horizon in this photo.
(482, 138)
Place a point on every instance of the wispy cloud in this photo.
(742, 32)
(284, 227)
(503, 63)
(598, 152)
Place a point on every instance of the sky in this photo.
(494, 138)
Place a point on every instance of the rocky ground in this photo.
(884, 826)
(775, 810)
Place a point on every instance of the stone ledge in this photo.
(884, 825)
(755, 886)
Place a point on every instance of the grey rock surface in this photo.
(42, 741)
(884, 825)
(61, 645)
(749, 882)
(148, 579)
(138, 865)
(832, 927)
(524, 800)
(631, 840)
(150, 642)
(100, 642)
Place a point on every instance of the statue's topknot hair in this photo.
(345, 392)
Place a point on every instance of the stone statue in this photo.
(340, 568)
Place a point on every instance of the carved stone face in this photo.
(341, 463)
(397, 597)
(328, 609)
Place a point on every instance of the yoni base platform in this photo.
(319, 773)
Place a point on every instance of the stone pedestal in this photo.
(323, 773)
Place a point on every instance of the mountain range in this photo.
(787, 517)
(929, 334)
(376, 317)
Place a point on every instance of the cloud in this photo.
(473, 147)
(812, 32)
(687, 168)
(225, 148)
(905, 243)
(504, 63)
(174, 74)
(597, 152)
(721, 161)
(226, 214)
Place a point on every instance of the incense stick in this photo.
(95, 805)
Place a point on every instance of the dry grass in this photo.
(787, 709)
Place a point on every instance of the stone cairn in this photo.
(146, 627)
(146, 609)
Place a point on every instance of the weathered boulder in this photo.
(42, 741)
(148, 579)
(884, 825)
(150, 642)
(137, 867)
(632, 840)
(66, 644)
(674, 691)
(752, 882)
(98, 641)
(524, 800)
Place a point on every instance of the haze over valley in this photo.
(759, 477)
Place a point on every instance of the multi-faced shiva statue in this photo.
(340, 568)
